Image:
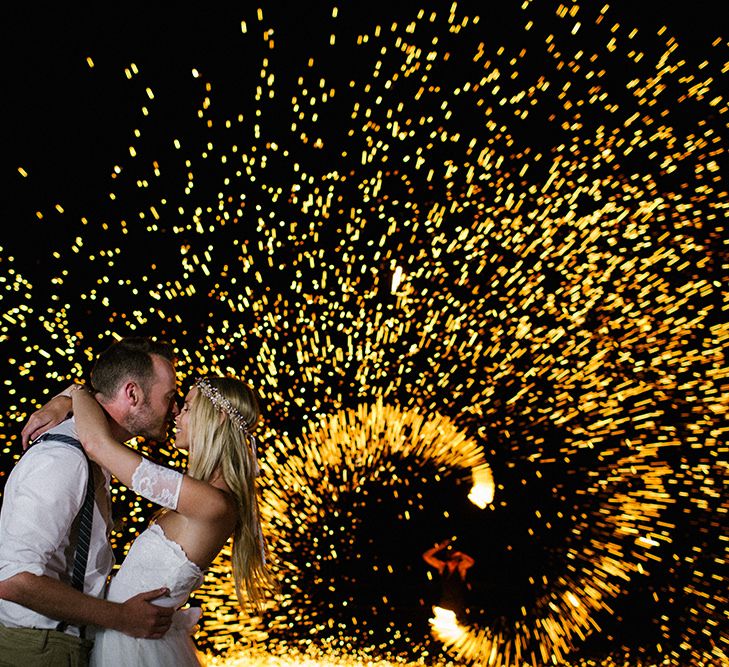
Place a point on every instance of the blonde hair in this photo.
(218, 442)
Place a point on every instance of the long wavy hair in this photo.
(217, 442)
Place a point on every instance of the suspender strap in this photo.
(86, 516)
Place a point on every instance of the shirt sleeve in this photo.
(42, 498)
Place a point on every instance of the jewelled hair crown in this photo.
(219, 401)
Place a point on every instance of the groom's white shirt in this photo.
(42, 497)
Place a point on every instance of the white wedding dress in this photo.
(153, 561)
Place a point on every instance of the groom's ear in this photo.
(133, 394)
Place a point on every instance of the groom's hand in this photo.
(141, 618)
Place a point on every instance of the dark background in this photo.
(68, 125)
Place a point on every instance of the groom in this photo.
(43, 618)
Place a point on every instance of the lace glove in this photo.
(158, 484)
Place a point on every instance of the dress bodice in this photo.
(154, 561)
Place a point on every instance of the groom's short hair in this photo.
(128, 358)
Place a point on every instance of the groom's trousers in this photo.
(29, 647)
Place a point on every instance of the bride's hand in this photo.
(46, 417)
(91, 422)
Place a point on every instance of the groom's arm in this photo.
(136, 617)
(42, 497)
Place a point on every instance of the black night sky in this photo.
(505, 221)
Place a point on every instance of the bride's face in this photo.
(182, 434)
